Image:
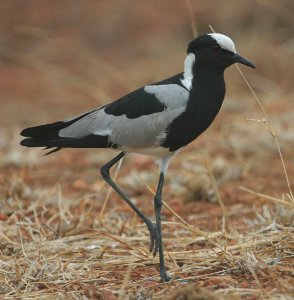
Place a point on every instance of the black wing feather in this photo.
(140, 103)
(52, 128)
(135, 105)
(47, 136)
(90, 141)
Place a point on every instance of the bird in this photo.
(158, 120)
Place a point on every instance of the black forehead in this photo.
(202, 41)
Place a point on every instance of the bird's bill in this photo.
(239, 59)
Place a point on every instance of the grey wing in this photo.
(147, 129)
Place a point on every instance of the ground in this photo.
(228, 206)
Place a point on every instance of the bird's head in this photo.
(215, 51)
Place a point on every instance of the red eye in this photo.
(216, 48)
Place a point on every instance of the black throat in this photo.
(208, 90)
(205, 100)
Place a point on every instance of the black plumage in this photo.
(50, 129)
(199, 112)
(132, 108)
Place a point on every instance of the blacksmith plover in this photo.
(158, 119)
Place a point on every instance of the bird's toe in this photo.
(154, 240)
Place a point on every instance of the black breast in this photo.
(204, 103)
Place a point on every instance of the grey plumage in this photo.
(134, 134)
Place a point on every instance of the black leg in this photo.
(154, 237)
(157, 207)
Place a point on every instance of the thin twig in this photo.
(215, 187)
(274, 199)
(192, 18)
(272, 131)
(22, 244)
(125, 283)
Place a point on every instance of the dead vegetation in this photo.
(65, 236)
(54, 245)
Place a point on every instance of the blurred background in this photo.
(60, 58)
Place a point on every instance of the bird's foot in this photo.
(154, 240)
(164, 277)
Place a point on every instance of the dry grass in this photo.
(65, 235)
(62, 250)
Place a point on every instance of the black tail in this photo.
(47, 136)
(49, 129)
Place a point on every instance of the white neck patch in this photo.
(224, 41)
(188, 71)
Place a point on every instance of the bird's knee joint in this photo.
(105, 173)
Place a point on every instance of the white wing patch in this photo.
(224, 41)
(188, 71)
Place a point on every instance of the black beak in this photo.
(239, 59)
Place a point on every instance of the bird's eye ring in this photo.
(216, 48)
